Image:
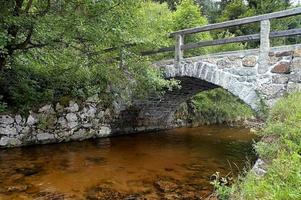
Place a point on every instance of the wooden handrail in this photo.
(245, 38)
(264, 35)
(237, 22)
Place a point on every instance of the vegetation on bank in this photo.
(280, 148)
(56, 50)
(215, 106)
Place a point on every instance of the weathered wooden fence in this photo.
(264, 35)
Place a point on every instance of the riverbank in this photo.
(279, 151)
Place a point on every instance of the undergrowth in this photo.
(280, 148)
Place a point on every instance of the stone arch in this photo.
(234, 83)
(156, 112)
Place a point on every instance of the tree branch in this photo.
(28, 6)
(26, 41)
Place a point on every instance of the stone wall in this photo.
(56, 123)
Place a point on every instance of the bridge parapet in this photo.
(238, 72)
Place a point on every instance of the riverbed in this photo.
(173, 164)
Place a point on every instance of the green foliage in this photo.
(227, 47)
(218, 106)
(282, 181)
(188, 15)
(46, 122)
(236, 9)
(172, 4)
(285, 121)
(281, 149)
(53, 49)
(3, 105)
(220, 184)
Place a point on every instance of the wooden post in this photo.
(263, 59)
(178, 51)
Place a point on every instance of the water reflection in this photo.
(174, 164)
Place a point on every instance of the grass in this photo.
(219, 106)
(281, 150)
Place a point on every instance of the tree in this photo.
(210, 9)
(172, 4)
(55, 48)
(188, 15)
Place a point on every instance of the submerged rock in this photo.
(53, 196)
(102, 193)
(18, 188)
(105, 193)
(29, 171)
(165, 185)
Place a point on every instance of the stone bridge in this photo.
(258, 77)
(237, 72)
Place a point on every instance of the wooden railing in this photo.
(264, 35)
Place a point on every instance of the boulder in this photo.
(259, 168)
(45, 137)
(47, 109)
(6, 120)
(32, 120)
(8, 130)
(72, 120)
(73, 107)
(281, 68)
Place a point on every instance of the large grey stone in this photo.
(259, 168)
(104, 131)
(62, 122)
(47, 109)
(19, 120)
(72, 120)
(44, 137)
(32, 119)
(6, 120)
(8, 130)
(9, 142)
(73, 107)
(4, 141)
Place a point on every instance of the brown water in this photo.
(175, 164)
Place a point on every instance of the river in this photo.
(173, 164)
